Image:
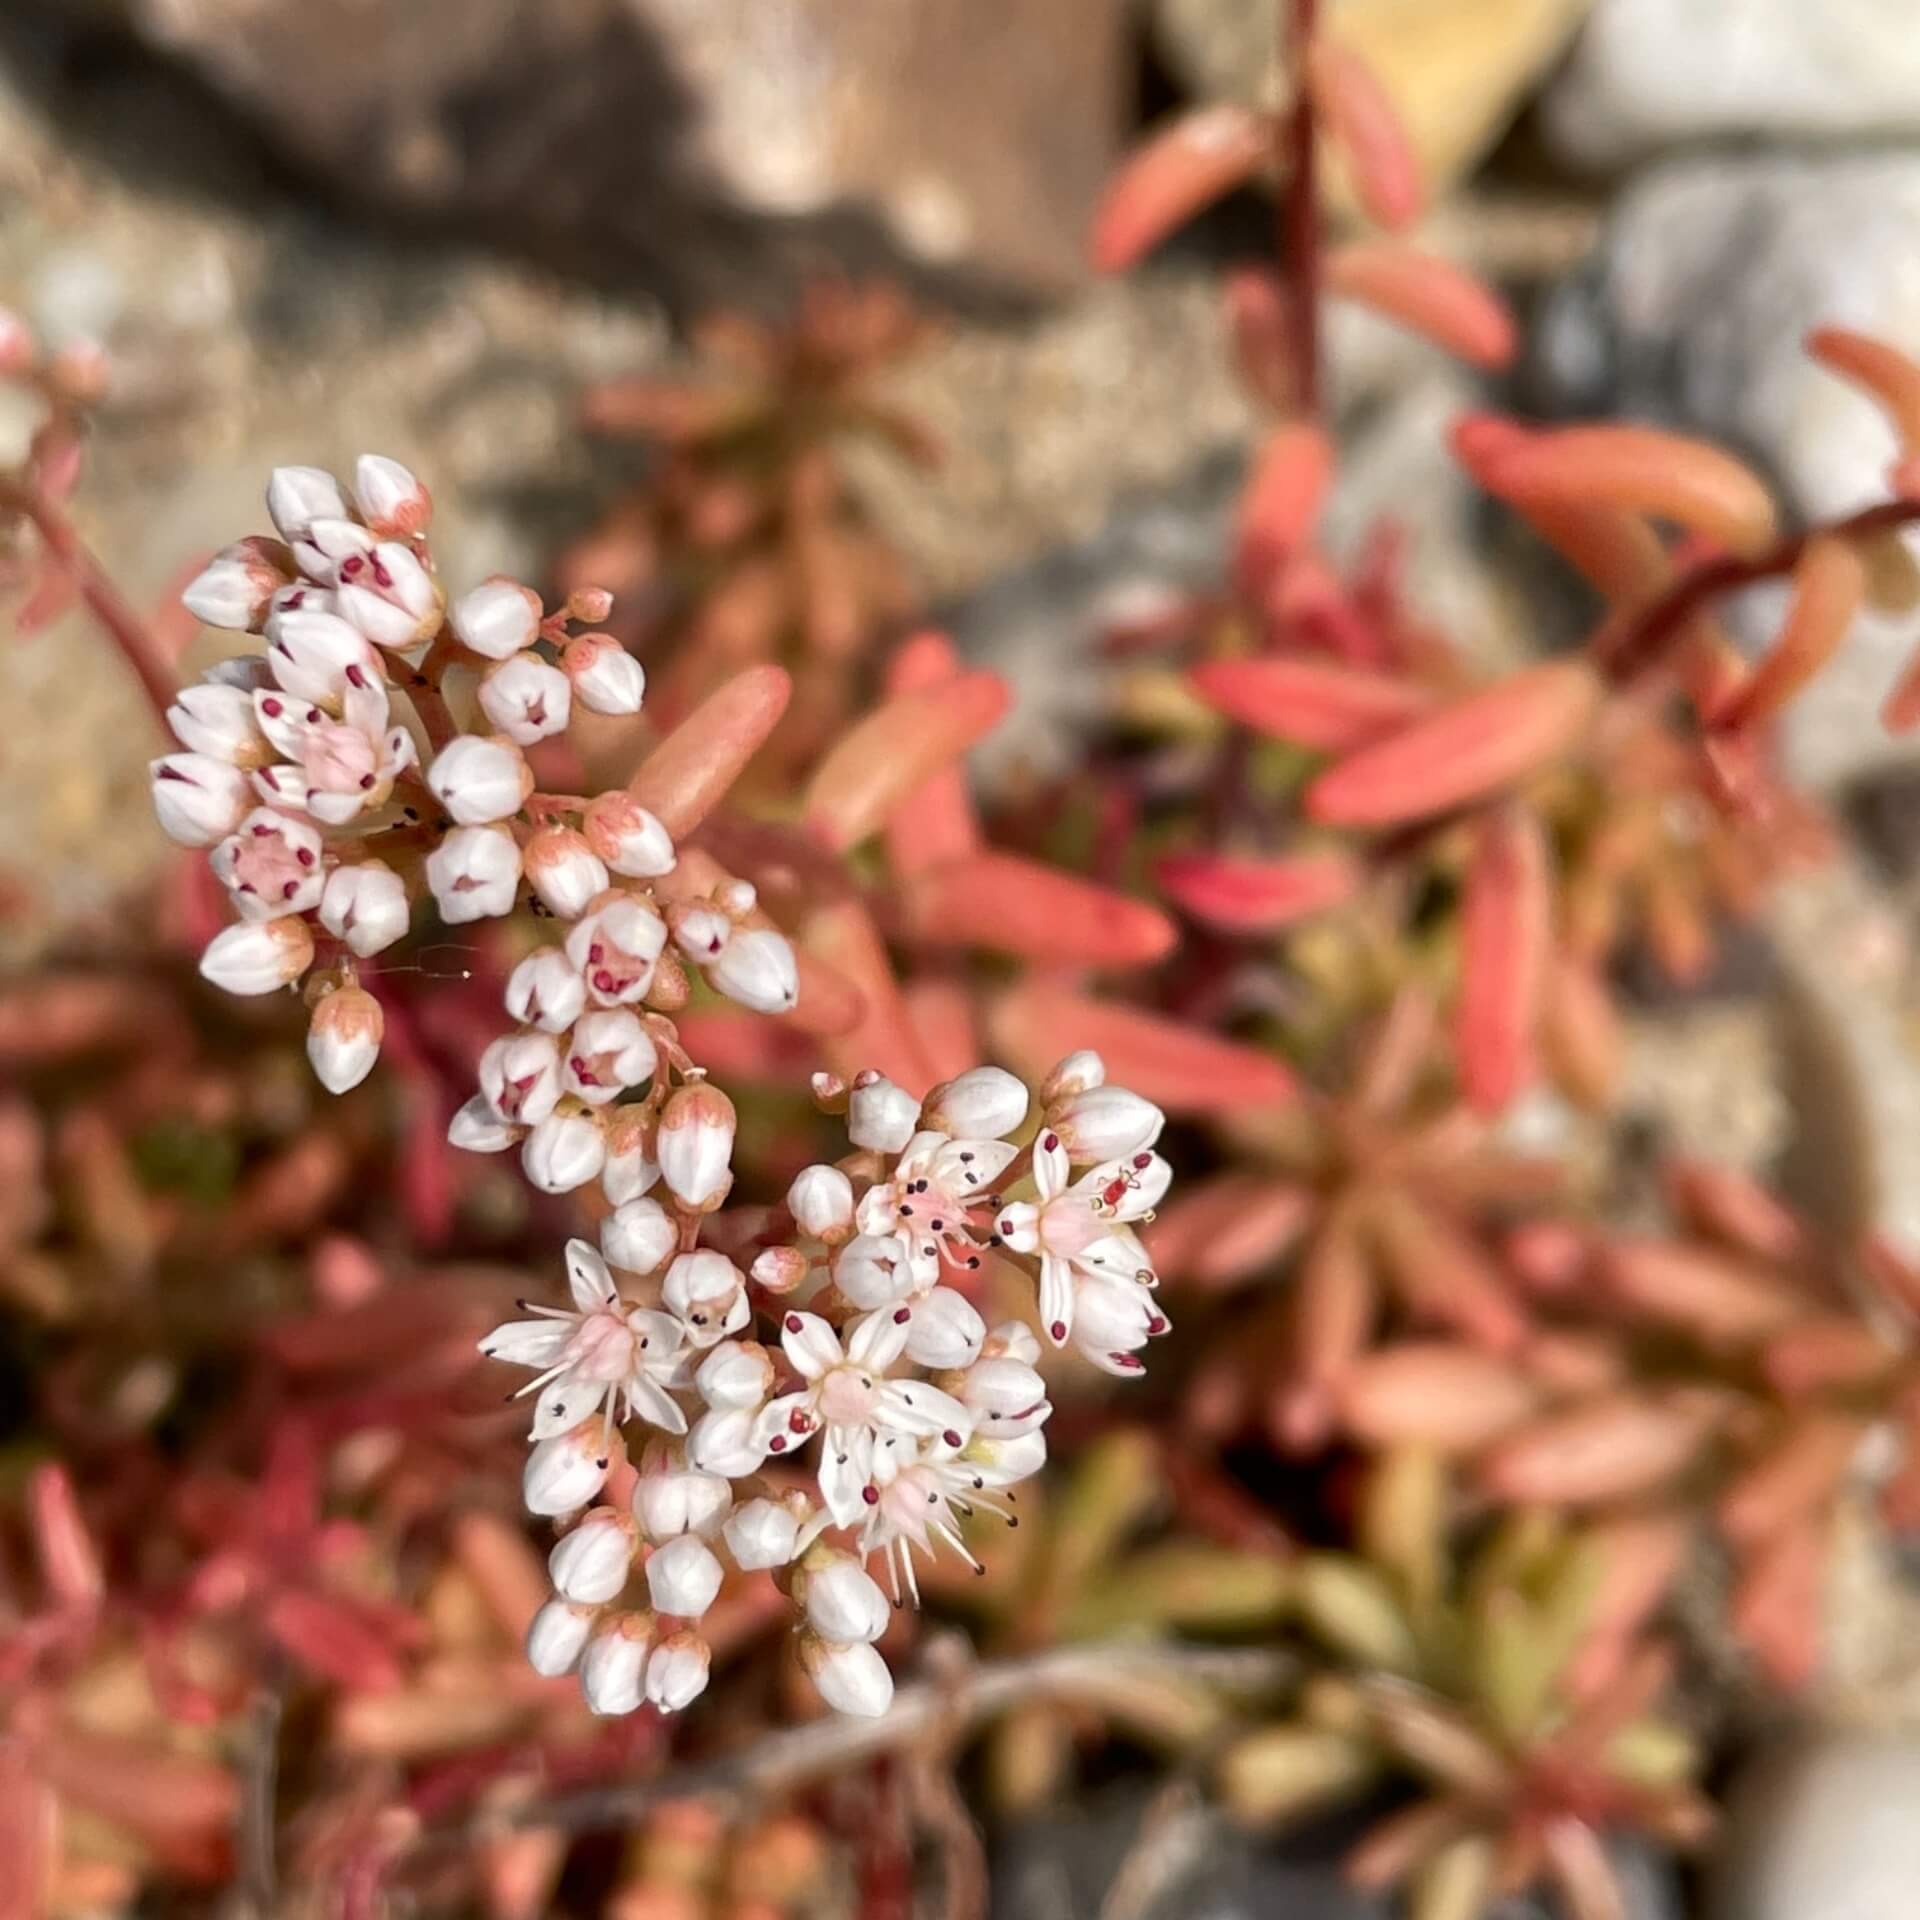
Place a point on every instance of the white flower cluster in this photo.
(878, 1411)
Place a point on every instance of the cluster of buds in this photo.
(842, 1398)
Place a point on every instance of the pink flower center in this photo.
(847, 1397)
(339, 758)
(602, 1348)
(269, 866)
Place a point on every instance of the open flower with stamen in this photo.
(924, 1492)
(349, 763)
(935, 1184)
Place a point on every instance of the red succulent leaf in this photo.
(1428, 295)
(1180, 168)
(1006, 903)
(1242, 895)
(1505, 934)
(1309, 704)
(1365, 126)
(1281, 505)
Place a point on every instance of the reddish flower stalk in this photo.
(1297, 140)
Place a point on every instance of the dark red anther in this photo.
(871, 1495)
(951, 1438)
(901, 1317)
(793, 1323)
(1058, 1329)
(272, 709)
(1143, 1160)
(352, 566)
(778, 1444)
(1051, 1142)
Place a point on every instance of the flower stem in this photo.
(1299, 222)
(424, 690)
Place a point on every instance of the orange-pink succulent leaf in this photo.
(1506, 931)
(1006, 903)
(1179, 169)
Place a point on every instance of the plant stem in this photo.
(423, 689)
(1299, 223)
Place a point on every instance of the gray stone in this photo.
(1826, 1831)
(1646, 75)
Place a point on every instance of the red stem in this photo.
(1297, 140)
(423, 689)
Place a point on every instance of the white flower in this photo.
(270, 865)
(630, 1169)
(761, 1533)
(843, 1605)
(821, 1202)
(849, 1679)
(1112, 1316)
(236, 587)
(639, 1236)
(198, 799)
(600, 1352)
(497, 618)
(700, 932)
(605, 676)
(627, 837)
(936, 1182)
(545, 990)
(343, 1037)
(921, 1497)
(757, 968)
(684, 1577)
(474, 874)
(365, 906)
(349, 763)
(526, 699)
(311, 651)
(388, 595)
(877, 1270)
(880, 1115)
(613, 1666)
(476, 1128)
(1005, 1396)
(328, 542)
(393, 503)
(677, 1671)
(218, 721)
(298, 496)
(480, 778)
(1105, 1123)
(707, 1294)
(564, 1151)
(671, 1498)
(258, 955)
(564, 871)
(590, 1565)
(1074, 1075)
(945, 1331)
(565, 1472)
(520, 1075)
(847, 1392)
(694, 1145)
(980, 1105)
(736, 1374)
(615, 948)
(557, 1636)
(726, 1441)
(779, 1270)
(282, 786)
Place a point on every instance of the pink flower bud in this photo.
(564, 871)
(564, 1473)
(389, 596)
(761, 1533)
(236, 587)
(700, 932)
(849, 1679)
(365, 906)
(779, 1270)
(564, 1151)
(591, 1564)
(880, 1116)
(671, 1498)
(707, 1293)
(526, 699)
(677, 1671)
(545, 990)
(313, 654)
(1105, 1123)
(497, 618)
(258, 956)
(474, 874)
(394, 504)
(606, 677)
(343, 1038)
(627, 837)
(980, 1105)
(589, 605)
(197, 799)
(946, 1331)
(874, 1270)
(843, 1604)
(520, 1075)
(757, 968)
(1075, 1074)
(695, 1145)
(18, 349)
(683, 1577)
(821, 1202)
(613, 1667)
(476, 1128)
(639, 1237)
(616, 947)
(558, 1636)
(480, 778)
(298, 496)
(631, 1169)
(737, 1373)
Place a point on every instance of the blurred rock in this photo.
(1652, 74)
(1458, 70)
(1693, 311)
(693, 141)
(1825, 1832)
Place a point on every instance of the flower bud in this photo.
(520, 1075)
(1005, 1396)
(474, 874)
(627, 837)
(564, 1151)
(684, 1577)
(609, 1051)
(270, 865)
(480, 778)
(1076, 1074)
(874, 1270)
(564, 871)
(545, 990)
(707, 1293)
(284, 786)
(497, 618)
(389, 596)
(694, 1145)
(1013, 1340)
(606, 677)
(393, 503)
(631, 1169)
(946, 1332)
(365, 906)
(197, 799)
(700, 932)
(677, 1671)
(761, 1533)
(614, 1663)
(821, 1202)
(590, 1565)
(557, 1637)
(343, 1038)
(725, 1441)
(315, 655)
(327, 543)
(849, 1679)
(298, 496)
(616, 947)
(257, 956)
(1005, 1463)
(671, 1498)
(978, 1105)
(589, 605)
(843, 1604)
(780, 1269)
(564, 1473)
(639, 1237)
(476, 1128)
(757, 968)
(880, 1116)
(1105, 1123)
(218, 721)
(236, 587)
(526, 699)
(737, 1373)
